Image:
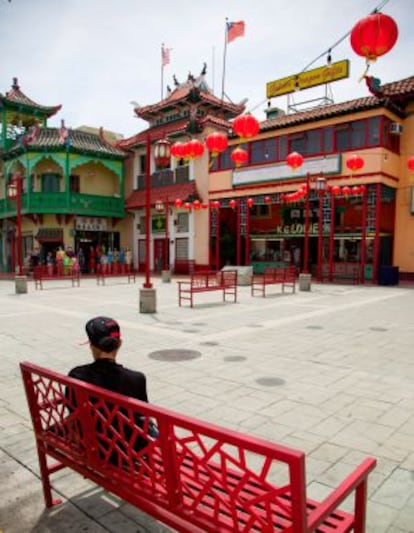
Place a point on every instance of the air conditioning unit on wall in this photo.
(396, 128)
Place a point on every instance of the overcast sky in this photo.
(96, 56)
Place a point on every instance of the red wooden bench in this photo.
(195, 477)
(43, 273)
(285, 276)
(105, 271)
(225, 281)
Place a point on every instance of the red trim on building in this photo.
(166, 194)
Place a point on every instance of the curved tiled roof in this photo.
(387, 94)
(166, 194)
(15, 97)
(51, 138)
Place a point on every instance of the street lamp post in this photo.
(14, 192)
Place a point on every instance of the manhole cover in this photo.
(314, 327)
(174, 355)
(234, 358)
(378, 329)
(270, 382)
(209, 343)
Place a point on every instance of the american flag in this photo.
(234, 30)
(165, 56)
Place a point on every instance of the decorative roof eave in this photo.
(168, 193)
(16, 99)
(174, 129)
(62, 140)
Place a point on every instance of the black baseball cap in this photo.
(102, 327)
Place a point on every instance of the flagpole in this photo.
(162, 71)
(224, 59)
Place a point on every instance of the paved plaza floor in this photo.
(330, 372)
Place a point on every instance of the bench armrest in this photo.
(351, 483)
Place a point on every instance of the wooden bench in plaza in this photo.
(284, 275)
(194, 476)
(207, 281)
(43, 273)
(103, 272)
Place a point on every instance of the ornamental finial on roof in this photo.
(204, 71)
(15, 85)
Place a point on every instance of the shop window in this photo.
(342, 132)
(374, 130)
(263, 151)
(50, 182)
(283, 147)
(181, 249)
(260, 211)
(182, 222)
(328, 140)
(313, 142)
(74, 183)
(142, 163)
(298, 143)
(357, 134)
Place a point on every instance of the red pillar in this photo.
(377, 234)
(247, 239)
(167, 237)
(238, 236)
(363, 234)
(147, 284)
(218, 239)
(331, 238)
(320, 237)
(306, 244)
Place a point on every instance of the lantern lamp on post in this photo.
(162, 153)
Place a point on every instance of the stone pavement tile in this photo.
(379, 517)
(272, 431)
(330, 426)
(329, 452)
(146, 523)
(384, 466)
(398, 417)
(405, 518)
(397, 489)
(408, 463)
(363, 435)
(23, 507)
(408, 426)
(398, 439)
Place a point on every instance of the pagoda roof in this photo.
(54, 139)
(171, 129)
(390, 96)
(166, 194)
(16, 99)
(194, 91)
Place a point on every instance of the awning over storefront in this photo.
(50, 235)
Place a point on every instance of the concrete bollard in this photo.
(147, 300)
(166, 276)
(305, 282)
(20, 283)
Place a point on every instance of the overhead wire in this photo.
(329, 50)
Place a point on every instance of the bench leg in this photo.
(47, 489)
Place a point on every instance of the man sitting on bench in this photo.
(104, 341)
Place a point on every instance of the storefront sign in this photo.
(158, 223)
(91, 224)
(330, 164)
(299, 229)
(311, 78)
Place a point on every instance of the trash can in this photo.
(388, 275)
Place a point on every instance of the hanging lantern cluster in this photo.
(296, 196)
(354, 163)
(187, 150)
(373, 36)
(215, 204)
(195, 204)
(346, 191)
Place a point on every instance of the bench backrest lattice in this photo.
(195, 476)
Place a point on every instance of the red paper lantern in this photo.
(362, 189)
(215, 204)
(178, 203)
(246, 126)
(204, 206)
(410, 163)
(178, 150)
(336, 190)
(294, 160)
(374, 36)
(162, 153)
(196, 204)
(216, 143)
(268, 200)
(233, 204)
(356, 190)
(194, 148)
(239, 156)
(354, 163)
(187, 206)
(249, 202)
(346, 190)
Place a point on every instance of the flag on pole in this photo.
(234, 30)
(165, 56)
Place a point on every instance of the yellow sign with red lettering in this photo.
(311, 78)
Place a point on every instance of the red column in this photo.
(218, 240)
(306, 244)
(377, 234)
(363, 234)
(247, 239)
(331, 238)
(320, 237)
(238, 236)
(147, 284)
(167, 237)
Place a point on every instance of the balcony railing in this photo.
(162, 178)
(59, 202)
